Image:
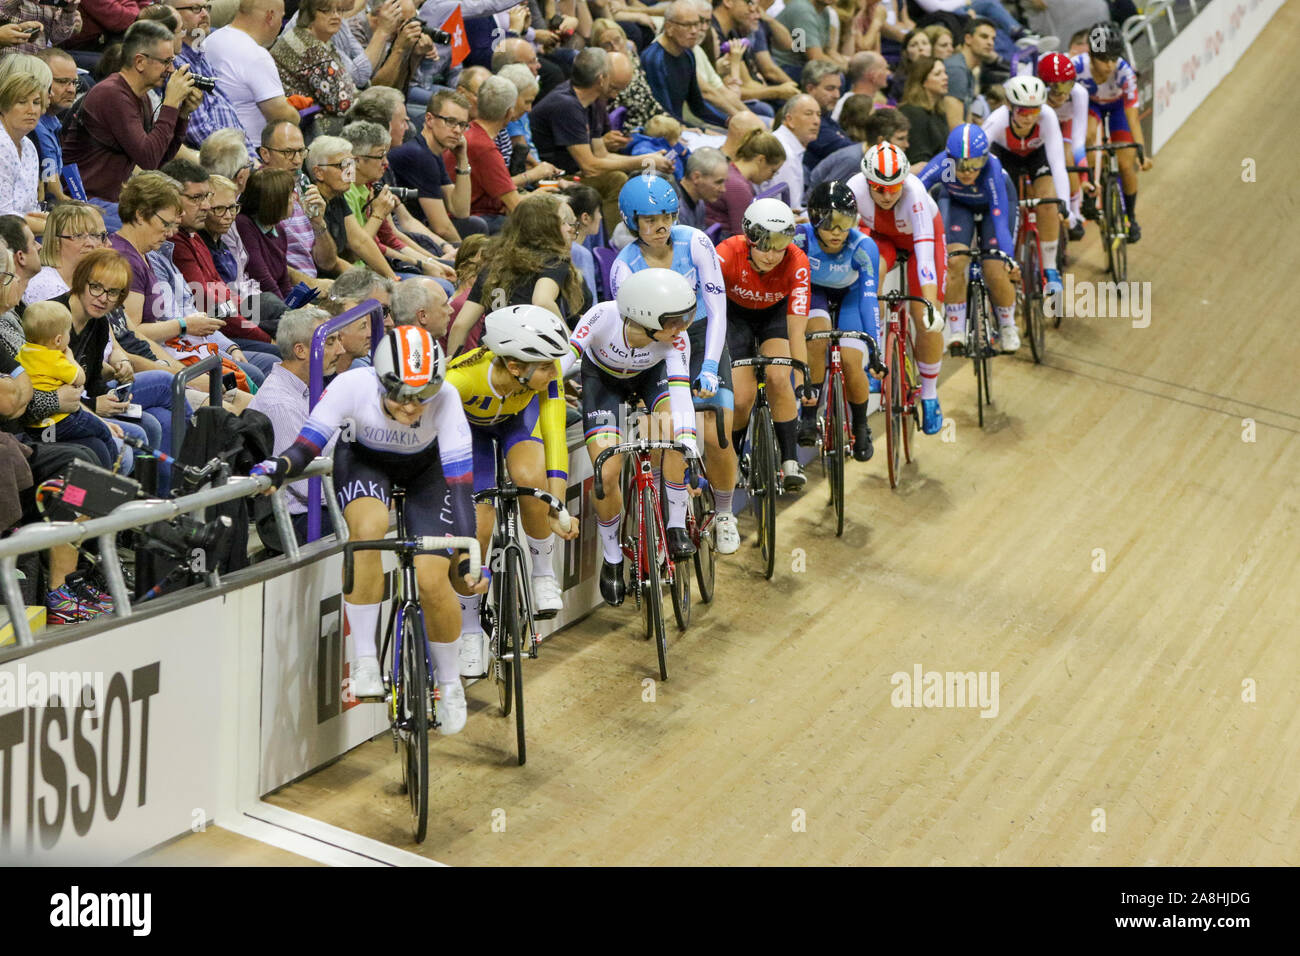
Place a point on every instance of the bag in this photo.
(199, 352)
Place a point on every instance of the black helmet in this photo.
(1104, 40)
(829, 198)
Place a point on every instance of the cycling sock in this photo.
(929, 378)
(1049, 253)
(738, 440)
(787, 439)
(956, 313)
(676, 495)
(722, 501)
(469, 614)
(543, 553)
(609, 539)
(363, 622)
(1131, 204)
(446, 661)
(1006, 315)
(1076, 203)
(858, 410)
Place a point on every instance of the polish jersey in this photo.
(1045, 135)
(695, 258)
(1121, 87)
(988, 192)
(1072, 115)
(909, 225)
(601, 339)
(757, 291)
(471, 376)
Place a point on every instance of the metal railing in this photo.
(133, 515)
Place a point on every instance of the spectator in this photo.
(821, 80)
(285, 398)
(742, 20)
(963, 86)
(941, 41)
(584, 203)
(108, 138)
(722, 95)
(308, 245)
(863, 28)
(332, 168)
(637, 97)
(922, 104)
(57, 24)
(23, 100)
(418, 164)
(800, 122)
(569, 127)
(757, 158)
(703, 183)
(353, 287)
(422, 302)
(469, 262)
(266, 202)
(811, 17)
(471, 78)
(49, 130)
(492, 191)
(662, 134)
(1063, 18)
(223, 154)
(219, 224)
(102, 21)
(395, 44)
(216, 111)
(623, 69)
(868, 75)
(25, 255)
(74, 230)
(385, 106)
(866, 127)
(992, 11)
(738, 128)
(245, 70)
(527, 264)
(524, 162)
(670, 66)
(311, 66)
(349, 49)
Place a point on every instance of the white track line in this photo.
(314, 840)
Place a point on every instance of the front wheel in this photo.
(839, 448)
(413, 717)
(763, 484)
(1032, 278)
(702, 511)
(892, 392)
(981, 346)
(1117, 222)
(517, 628)
(654, 599)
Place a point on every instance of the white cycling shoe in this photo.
(452, 709)
(473, 654)
(548, 599)
(1009, 337)
(366, 681)
(726, 537)
(794, 476)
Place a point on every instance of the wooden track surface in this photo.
(1121, 691)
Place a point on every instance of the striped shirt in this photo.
(301, 238)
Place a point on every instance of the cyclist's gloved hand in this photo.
(708, 378)
(807, 393)
(273, 468)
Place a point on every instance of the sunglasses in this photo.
(837, 222)
(887, 190)
(1026, 110)
(407, 396)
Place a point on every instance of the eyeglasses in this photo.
(231, 210)
(453, 123)
(5, 279)
(194, 8)
(97, 290)
(381, 156)
(59, 82)
(165, 60)
(201, 197)
(167, 225)
(887, 190)
(291, 153)
(345, 164)
(83, 236)
(691, 25)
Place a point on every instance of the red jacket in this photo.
(105, 16)
(192, 257)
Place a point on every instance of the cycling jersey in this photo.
(1045, 136)
(695, 258)
(1121, 87)
(1072, 116)
(747, 288)
(851, 275)
(658, 373)
(988, 192)
(912, 224)
(523, 416)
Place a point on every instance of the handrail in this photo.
(316, 385)
(137, 514)
(180, 383)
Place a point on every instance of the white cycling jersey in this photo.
(911, 220)
(1045, 134)
(1072, 115)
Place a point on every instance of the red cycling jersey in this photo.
(751, 289)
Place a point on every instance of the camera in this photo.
(206, 83)
(403, 193)
(437, 36)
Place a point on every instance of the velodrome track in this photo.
(1121, 690)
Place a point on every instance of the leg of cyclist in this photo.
(1049, 228)
(1128, 175)
(473, 655)
(526, 460)
(1090, 210)
(603, 400)
(819, 320)
(367, 520)
(1001, 291)
(676, 497)
(929, 344)
(780, 393)
(960, 222)
(442, 621)
(857, 384)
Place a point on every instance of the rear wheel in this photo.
(681, 590)
(517, 626)
(892, 390)
(1118, 227)
(763, 485)
(413, 717)
(912, 418)
(1032, 282)
(705, 568)
(838, 450)
(654, 606)
(980, 345)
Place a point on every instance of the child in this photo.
(49, 364)
(661, 132)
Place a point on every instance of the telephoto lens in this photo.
(403, 193)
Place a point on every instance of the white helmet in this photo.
(1025, 91)
(769, 224)
(652, 297)
(885, 165)
(528, 333)
(409, 364)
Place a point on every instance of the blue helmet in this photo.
(967, 141)
(645, 195)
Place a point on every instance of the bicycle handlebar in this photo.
(873, 352)
(1113, 147)
(641, 444)
(723, 442)
(988, 253)
(893, 298)
(424, 544)
(765, 360)
(551, 501)
(1031, 203)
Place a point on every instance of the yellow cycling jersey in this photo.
(471, 375)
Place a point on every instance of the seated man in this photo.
(308, 246)
(242, 64)
(418, 164)
(49, 130)
(216, 111)
(822, 80)
(492, 191)
(670, 65)
(351, 289)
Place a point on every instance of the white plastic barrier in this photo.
(1191, 66)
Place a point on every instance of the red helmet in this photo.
(1056, 68)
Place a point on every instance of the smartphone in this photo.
(32, 31)
(122, 393)
(229, 382)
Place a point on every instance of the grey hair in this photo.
(589, 66)
(816, 71)
(860, 64)
(374, 102)
(706, 159)
(409, 298)
(296, 328)
(364, 135)
(520, 76)
(26, 63)
(224, 152)
(496, 98)
(357, 282)
(322, 148)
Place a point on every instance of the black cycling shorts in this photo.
(362, 474)
(1034, 165)
(607, 399)
(749, 328)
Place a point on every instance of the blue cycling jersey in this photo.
(855, 268)
(988, 193)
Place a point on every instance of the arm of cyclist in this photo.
(1000, 207)
(1135, 126)
(796, 319)
(580, 337)
(551, 416)
(711, 286)
(456, 454)
(325, 419)
(1056, 156)
(682, 408)
(868, 256)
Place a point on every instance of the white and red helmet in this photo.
(885, 165)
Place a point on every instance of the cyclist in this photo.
(899, 214)
(1027, 141)
(845, 266)
(767, 312)
(974, 182)
(510, 390)
(648, 205)
(402, 425)
(636, 348)
(1111, 83)
(1069, 100)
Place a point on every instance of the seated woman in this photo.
(267, 200)
(74, 230)
(527, 264)
(758, 157)
(922, 104)
(585, 203)
(469, 262)
(311, 66)
(23, 101)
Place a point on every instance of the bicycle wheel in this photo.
(517, 628)
(911, 389)
(763, 483)
(501, 669)
(839, 448)
(891, 392)
(980, 345)
(654, 599)
(705, 559)
(1062, 261)
(1117, 224)
(413, 713)
(680, 587)
(1032, 279)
